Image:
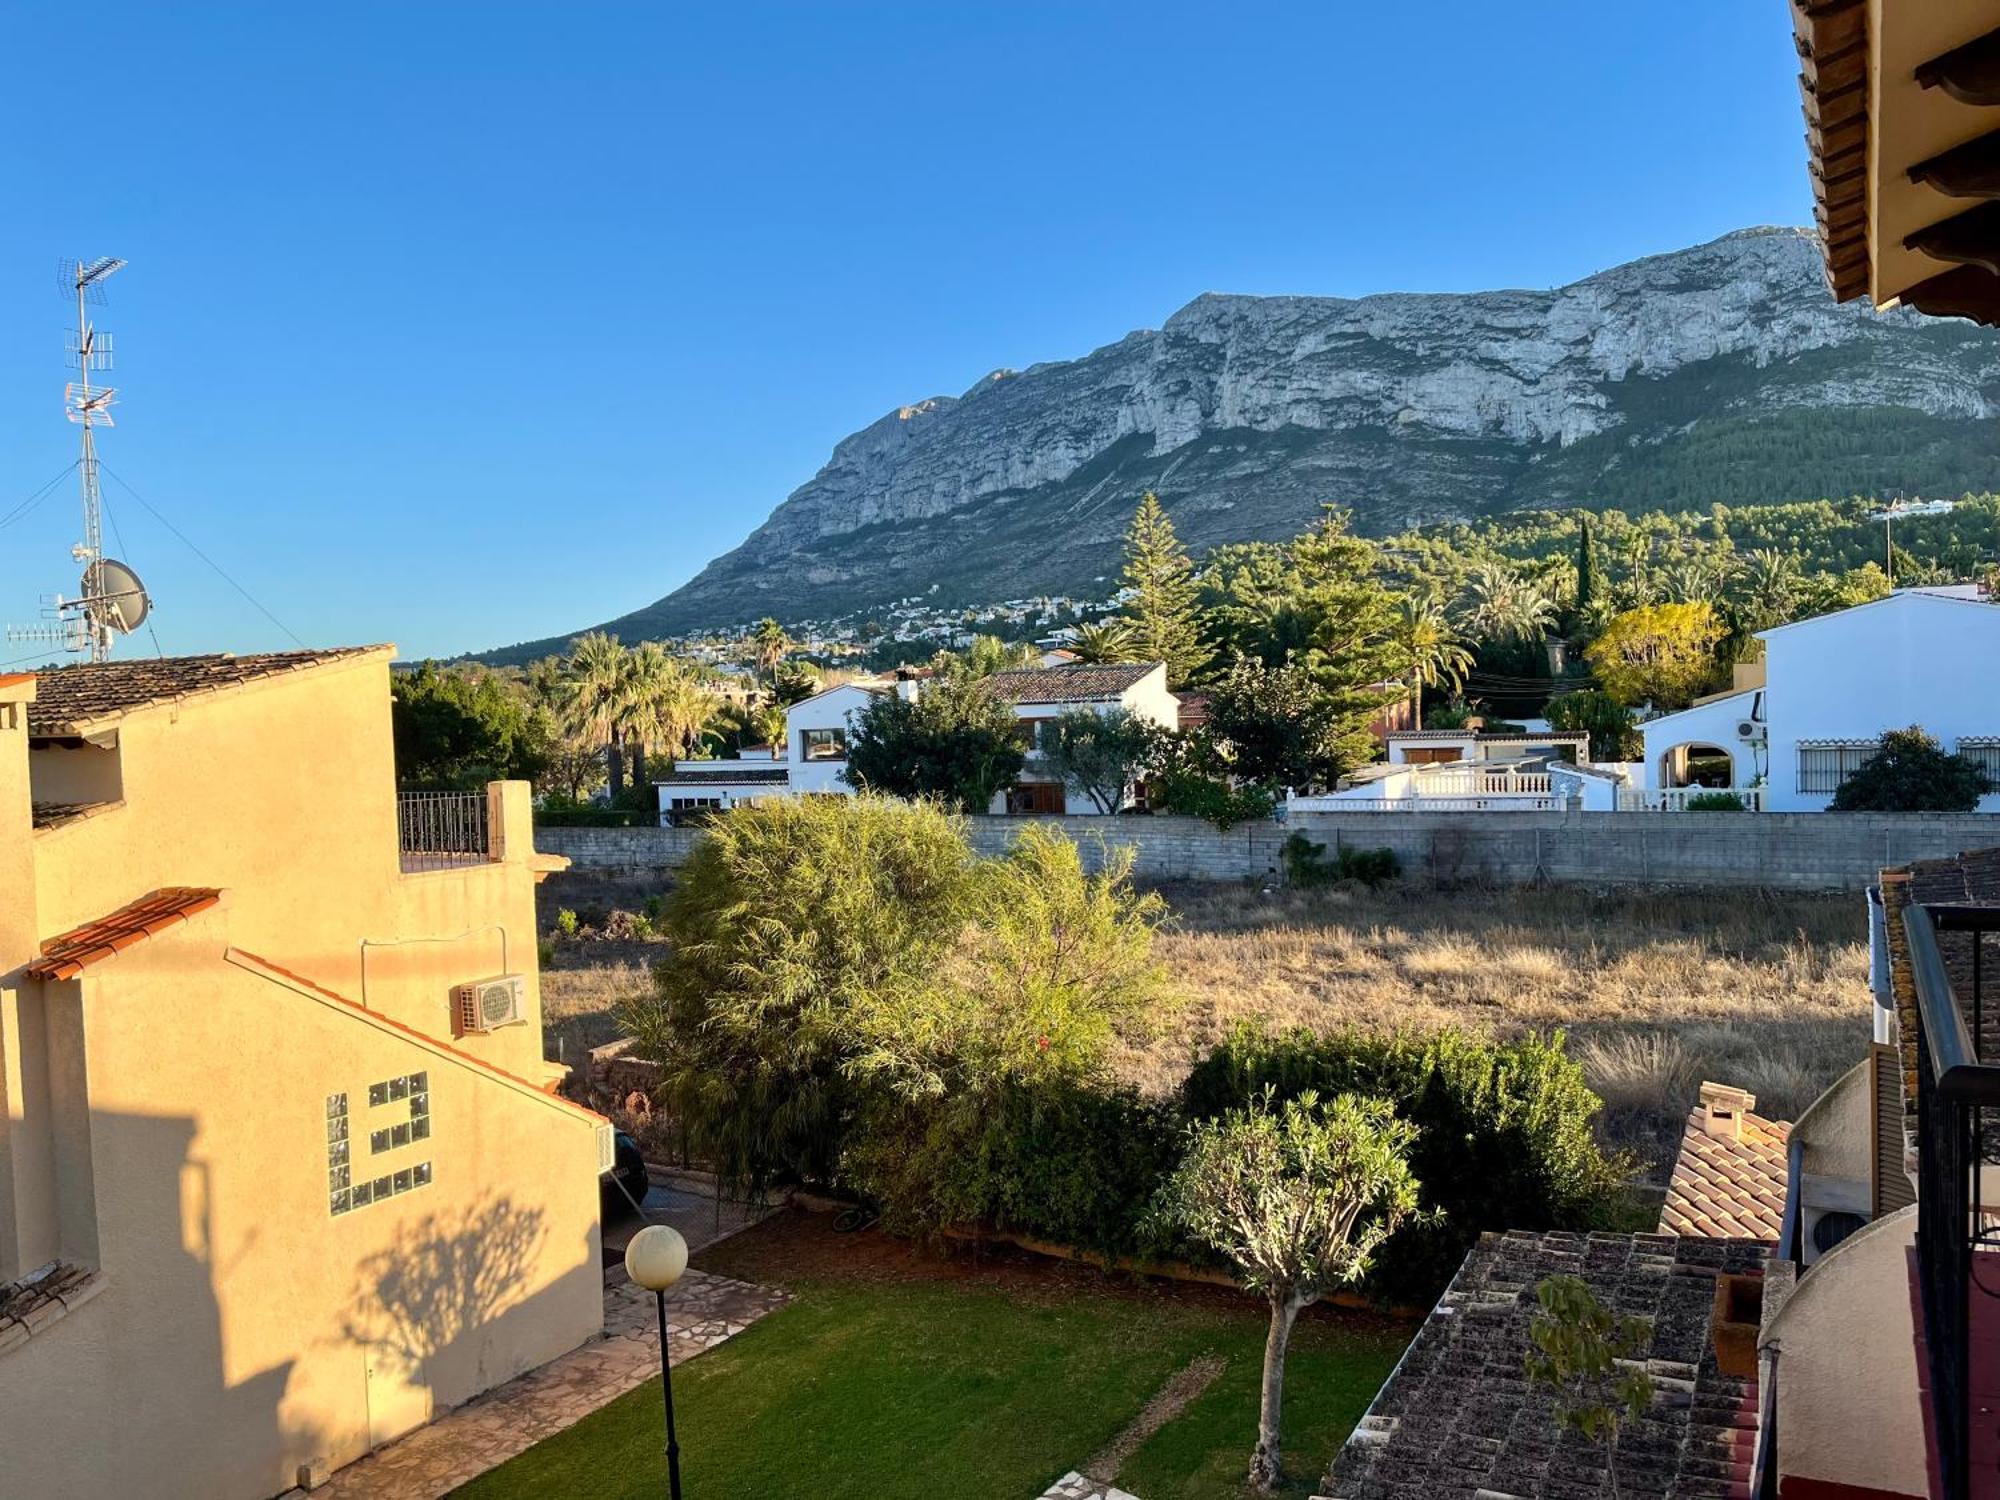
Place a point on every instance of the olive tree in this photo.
(1100, 754)
(1589, 1357)
(1297, 1196)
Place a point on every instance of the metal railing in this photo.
(1426, 802)
(1955, 1090)
(440, 830)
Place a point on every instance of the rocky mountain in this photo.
(1724, 373)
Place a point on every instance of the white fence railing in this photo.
(1426, 802)
(1676, 798)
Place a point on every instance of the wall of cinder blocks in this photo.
(1829, 851)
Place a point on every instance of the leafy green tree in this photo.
(1297, 1196)
(1663, 654)
(1768, 585)
(1614, 736)
(666, 704)
(1105, 641)
(1912, 773)
(955, 742)
(793, 682)
(1279, 728)
(1589, 1357)
(790, 914)
(461, 728)
(1101, 754)
(1161, 609)
(986, 655)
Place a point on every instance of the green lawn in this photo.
(936, 1387)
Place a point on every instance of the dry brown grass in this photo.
(1657, 989)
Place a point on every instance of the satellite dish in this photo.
(114, 596)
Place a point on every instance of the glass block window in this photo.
(1825, 764)
(409, 1096)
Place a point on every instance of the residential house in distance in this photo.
(1829, 687)
(1471, 770)
(282, 1171)
(818, 730)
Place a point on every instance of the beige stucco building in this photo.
(271, 1191)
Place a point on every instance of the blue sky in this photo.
(458, 325)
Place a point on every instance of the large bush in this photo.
(1504, 1137)
(1912, 773)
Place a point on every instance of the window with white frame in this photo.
(825, 744)
(1825, 764)
(1983, 750)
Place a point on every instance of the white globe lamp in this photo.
(656, 1257)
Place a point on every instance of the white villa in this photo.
(1472, 770)
(813, 759)
(1786, 738)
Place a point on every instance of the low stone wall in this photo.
(1827, 851)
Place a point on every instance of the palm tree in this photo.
(1436, 655)
(595, 705)
(666, 705)
(1768, 582)
(1108, 640)
(770, 643)
(1500, 605)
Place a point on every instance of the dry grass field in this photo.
(1657, 989)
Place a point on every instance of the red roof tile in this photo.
(1729, 1190)
(69, 955)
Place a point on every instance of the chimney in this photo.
(1722, 1110)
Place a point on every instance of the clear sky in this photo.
(457, 325)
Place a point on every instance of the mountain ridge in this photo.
(1721, 372)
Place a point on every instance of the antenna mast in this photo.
(91, 625)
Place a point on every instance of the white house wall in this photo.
(1908, 659)
(1705, 724)
(836, 708)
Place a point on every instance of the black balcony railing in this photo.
(1958, 1133)
(437, 830)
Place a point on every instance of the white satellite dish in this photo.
(114, 597)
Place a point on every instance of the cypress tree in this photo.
(1165, 624)
(1586, 567)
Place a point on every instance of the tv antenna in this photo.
(113, 602)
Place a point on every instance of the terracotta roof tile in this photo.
(1724, 1189)
(1074, 682)
(69, 955)
(729, 773)
(68, 698)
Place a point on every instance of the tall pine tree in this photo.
(1165, 623)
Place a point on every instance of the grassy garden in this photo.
(896, 1374)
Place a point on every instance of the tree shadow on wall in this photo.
(454, 1301)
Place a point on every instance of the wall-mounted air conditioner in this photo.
(1751, 731)
(488, 1004)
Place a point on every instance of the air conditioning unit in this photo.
(489, 1004)
(1751, 730)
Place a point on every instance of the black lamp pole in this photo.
(667, 1391)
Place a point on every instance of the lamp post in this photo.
(655, 1260)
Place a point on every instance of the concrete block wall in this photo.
(1812, 851)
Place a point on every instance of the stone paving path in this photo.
(488, 1430)
(1075, 1486)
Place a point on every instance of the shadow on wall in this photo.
(132, 1392)
(451, 1303)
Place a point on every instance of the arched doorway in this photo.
(1697, 763)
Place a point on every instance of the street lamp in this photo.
(654, 1260)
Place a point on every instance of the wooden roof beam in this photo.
(1968, 171)
(1968, 239)
(1970, 74)
(1963, 292)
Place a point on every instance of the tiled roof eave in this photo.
(68, 954)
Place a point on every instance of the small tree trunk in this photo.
(638, 764)
(614, 765)
(1267, 1462)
